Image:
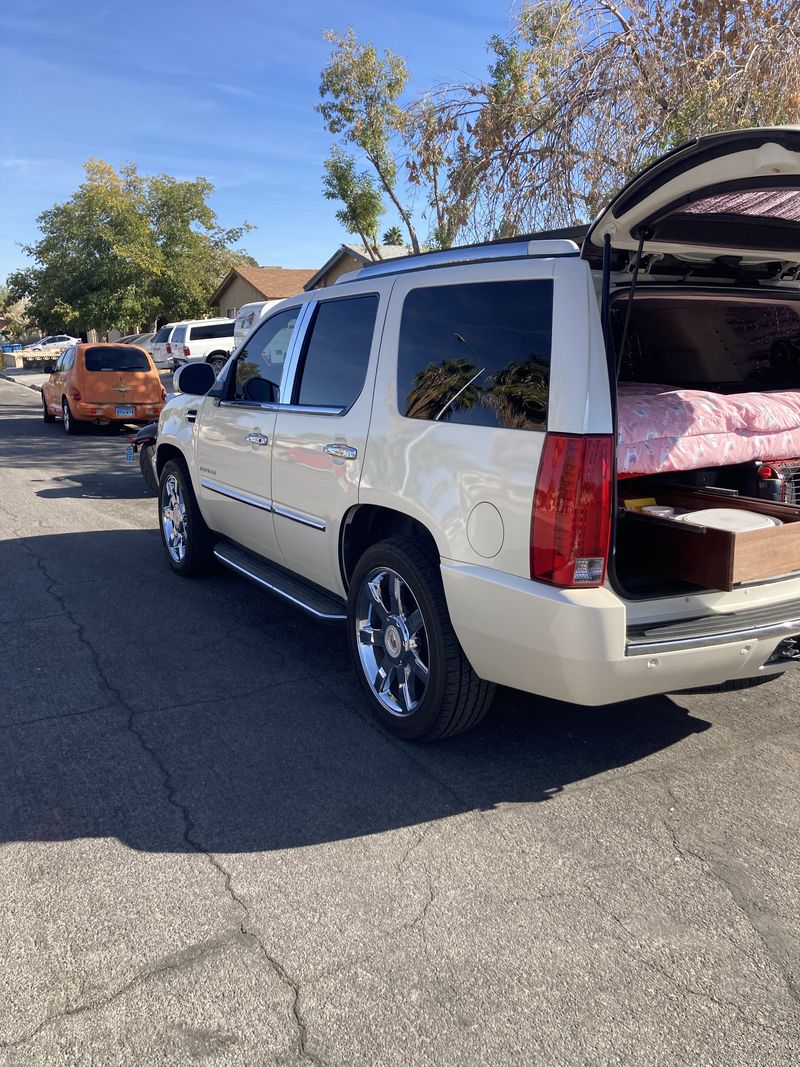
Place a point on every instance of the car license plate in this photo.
(129, 454)
(123, 412)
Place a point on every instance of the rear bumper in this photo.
(108, 413)
(574, 644)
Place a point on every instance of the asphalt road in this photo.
(208, 853)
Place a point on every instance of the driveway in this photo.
(209, 852)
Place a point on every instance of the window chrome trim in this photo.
(297, 516)
(250, 404)
(297, 409)
(242, 498)
(295, 347)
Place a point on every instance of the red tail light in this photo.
(169, 349)
(571, 521)
(74, 394)
(186, 351)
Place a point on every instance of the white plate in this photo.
(125, 411)
(732, 519)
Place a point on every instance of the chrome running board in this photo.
(311, 598)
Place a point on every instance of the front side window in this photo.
(118, 358)
(334, 364)
(69, 359)
(477, 354)
(260, 365)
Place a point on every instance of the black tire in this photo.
(451, 698)
(217, 361)
(146, 467)
(193, 555)
(71, 425)
(45, 413)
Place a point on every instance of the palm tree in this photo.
(518, 394)
(393, 236)
(440, 382)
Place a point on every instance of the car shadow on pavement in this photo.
(176, 714)
(94, 460)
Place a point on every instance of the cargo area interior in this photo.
(709, 418)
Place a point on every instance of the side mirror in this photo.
(194, 378)
(48, 368)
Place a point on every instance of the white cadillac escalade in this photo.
(427, 451)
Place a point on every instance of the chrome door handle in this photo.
(341, 451)
(191, 415)
(257, 439)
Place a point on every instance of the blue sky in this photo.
(226, 91)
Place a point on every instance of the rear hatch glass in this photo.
(118, 358)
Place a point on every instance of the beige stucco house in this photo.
(350, 257)
(243, 285)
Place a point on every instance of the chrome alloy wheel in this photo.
(173, 518)
(392, 641)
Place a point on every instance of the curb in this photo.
(16, 381)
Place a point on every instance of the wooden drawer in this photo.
(714, 559)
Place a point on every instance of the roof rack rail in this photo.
(499, 250)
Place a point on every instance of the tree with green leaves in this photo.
(582, 94)
(363, 203)
(393, 236)
(124, 251)
(579, 96)
(359, 91)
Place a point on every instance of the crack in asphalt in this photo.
(53, 718)
(677, 982)
(178, 961)
(745, 906)
(194, 843)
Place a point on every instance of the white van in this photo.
(248, 316)
(160, 347)
(203, 341)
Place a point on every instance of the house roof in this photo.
(358, 252)
(274, 283)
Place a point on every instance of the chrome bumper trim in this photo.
(785, 628)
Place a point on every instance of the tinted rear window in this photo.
(205, 333)
(477, 354)
(120, 357)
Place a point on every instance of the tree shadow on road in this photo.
(94, 461)
(168, 713)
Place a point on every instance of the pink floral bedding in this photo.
(663, 429)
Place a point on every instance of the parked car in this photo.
(247, 316)
(53, 339)
(143, 340)
(102, 384)
(427, 451)
(203, 341)
(160, 346)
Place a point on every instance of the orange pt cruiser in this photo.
(102, 383)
